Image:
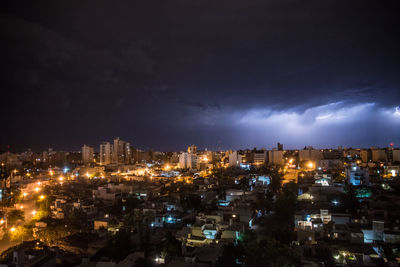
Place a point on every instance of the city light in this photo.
(251, 133)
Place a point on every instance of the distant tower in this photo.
(280, 146)
(122, 151)
(87, 154)
(192, 149)
(106, 153)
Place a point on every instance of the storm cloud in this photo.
(220, 74)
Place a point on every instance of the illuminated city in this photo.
(200, 133)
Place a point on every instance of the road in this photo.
(291, 175)
(30, 193)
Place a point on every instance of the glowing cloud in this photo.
(333, 124)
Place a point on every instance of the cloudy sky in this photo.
(219, 74)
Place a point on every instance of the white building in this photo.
(87, 154)
(275, 157)
(396, 155)
(379, 155)
(260, 157)
(188, 161)
(121, 152)
(310, 154)
(364, 155)
(106, 152)
(235, 159)
(192, 149)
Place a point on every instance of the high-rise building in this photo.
(188, 161)
(87, 154)
(106, 153)
(379, 155)
(275, 157)
(310, 154)
(122, 151)
(192, 149)
(235, 159)
(396, 155)
(259, 157)
(280, 146)
(365, 155)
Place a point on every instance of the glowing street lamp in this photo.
(41, 197)
(13, 229)
(34, 212)
(310, 165)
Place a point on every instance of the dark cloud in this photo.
(166, 73)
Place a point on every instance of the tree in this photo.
(190, 201)
(268, 252)
(285, 203)
(231, 255)
(14, 215)
(276, 181)
(171, 247)
(143, 262)
(77, 218)
(350, 201)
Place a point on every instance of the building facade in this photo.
(87, 154)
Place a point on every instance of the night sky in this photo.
(218, 74)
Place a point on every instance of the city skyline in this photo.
(221, 133)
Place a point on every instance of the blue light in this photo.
(65, 170)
